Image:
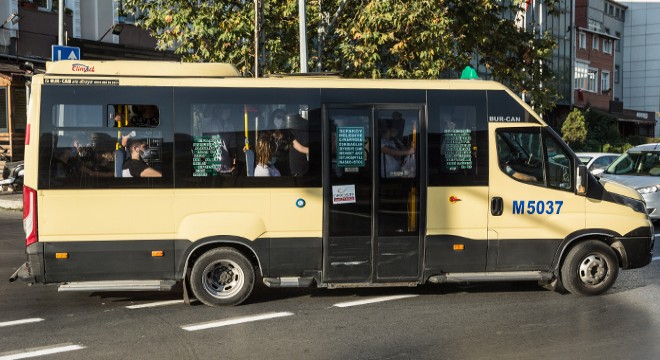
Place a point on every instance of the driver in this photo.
(504, 165)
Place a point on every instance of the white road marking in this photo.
(656, 258)
(20, 322)
(155, 304)
(373, 300)
(41, 352)
(234, 321)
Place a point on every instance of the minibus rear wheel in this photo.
(222, 276)
(590, 268)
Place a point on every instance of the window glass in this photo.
(502, 107)
(524, 156)
(583, 40)
(457, 138)
(103, 141)
(519, 154)
(4, 109)
(605, 81)
(595, 42)
(247, 138)
(591, 80)
(558, 165)
(636, 163)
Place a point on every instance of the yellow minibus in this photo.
(144, 175)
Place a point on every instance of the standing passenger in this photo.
(299, 154)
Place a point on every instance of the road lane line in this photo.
(372, 300)
(41, 352)
(20, 322)
(234, 321)
(656, 258)
(155, 304)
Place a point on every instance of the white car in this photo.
(597, 162)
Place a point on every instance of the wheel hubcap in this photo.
(223, 279)
(593, 270)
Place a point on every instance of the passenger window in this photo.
(102, 146)
(458, 139)
(133, 115)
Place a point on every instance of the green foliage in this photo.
(617, 148)
(424, 39)
(574, 129)
(602, 128)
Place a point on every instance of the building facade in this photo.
(102, 29)
(641, 59)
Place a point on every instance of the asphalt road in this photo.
(495, 321)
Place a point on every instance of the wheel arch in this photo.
(606, 236)
(255, 251)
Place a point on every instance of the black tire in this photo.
(222, 276)
(590, 268)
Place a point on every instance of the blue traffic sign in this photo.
(65, 53)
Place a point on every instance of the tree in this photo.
(424, 39)
(574, 128)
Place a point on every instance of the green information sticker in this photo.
(350, 147)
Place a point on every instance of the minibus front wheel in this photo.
(222, 276)
(590, 268)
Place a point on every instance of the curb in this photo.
(11, 202)
(11, 205)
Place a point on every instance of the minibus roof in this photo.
(141, 68)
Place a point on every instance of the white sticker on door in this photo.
(343, 194)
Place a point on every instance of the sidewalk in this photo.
(11, 201)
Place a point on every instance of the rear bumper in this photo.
(32, 270)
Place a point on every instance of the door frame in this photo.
(375, 182)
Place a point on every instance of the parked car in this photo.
(639, 168)
(597, 162)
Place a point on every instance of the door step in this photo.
(371, 285)
(289, 282)
(118, 285)
(491, 276)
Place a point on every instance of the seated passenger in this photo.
(264, 166)
(135, 165)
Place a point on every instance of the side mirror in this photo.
(581, 179)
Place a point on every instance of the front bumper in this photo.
(636, 248)
(652, 205)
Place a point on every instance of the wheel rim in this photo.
(593, 270)
(223, 279)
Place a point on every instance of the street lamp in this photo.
(13, 19)
(116, 30)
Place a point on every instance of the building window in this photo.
(607, 46)
(583, 40)
(4, 109)
(616, 73)
(618, 13)
(594, 42)
(591, 80)
(47, 5)
(585, 77)
(611, 10)
(617, 42)
(581, 70)
(605, 86)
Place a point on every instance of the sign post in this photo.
(60, 52)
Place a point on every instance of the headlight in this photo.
(634, 204)
(648, 189)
